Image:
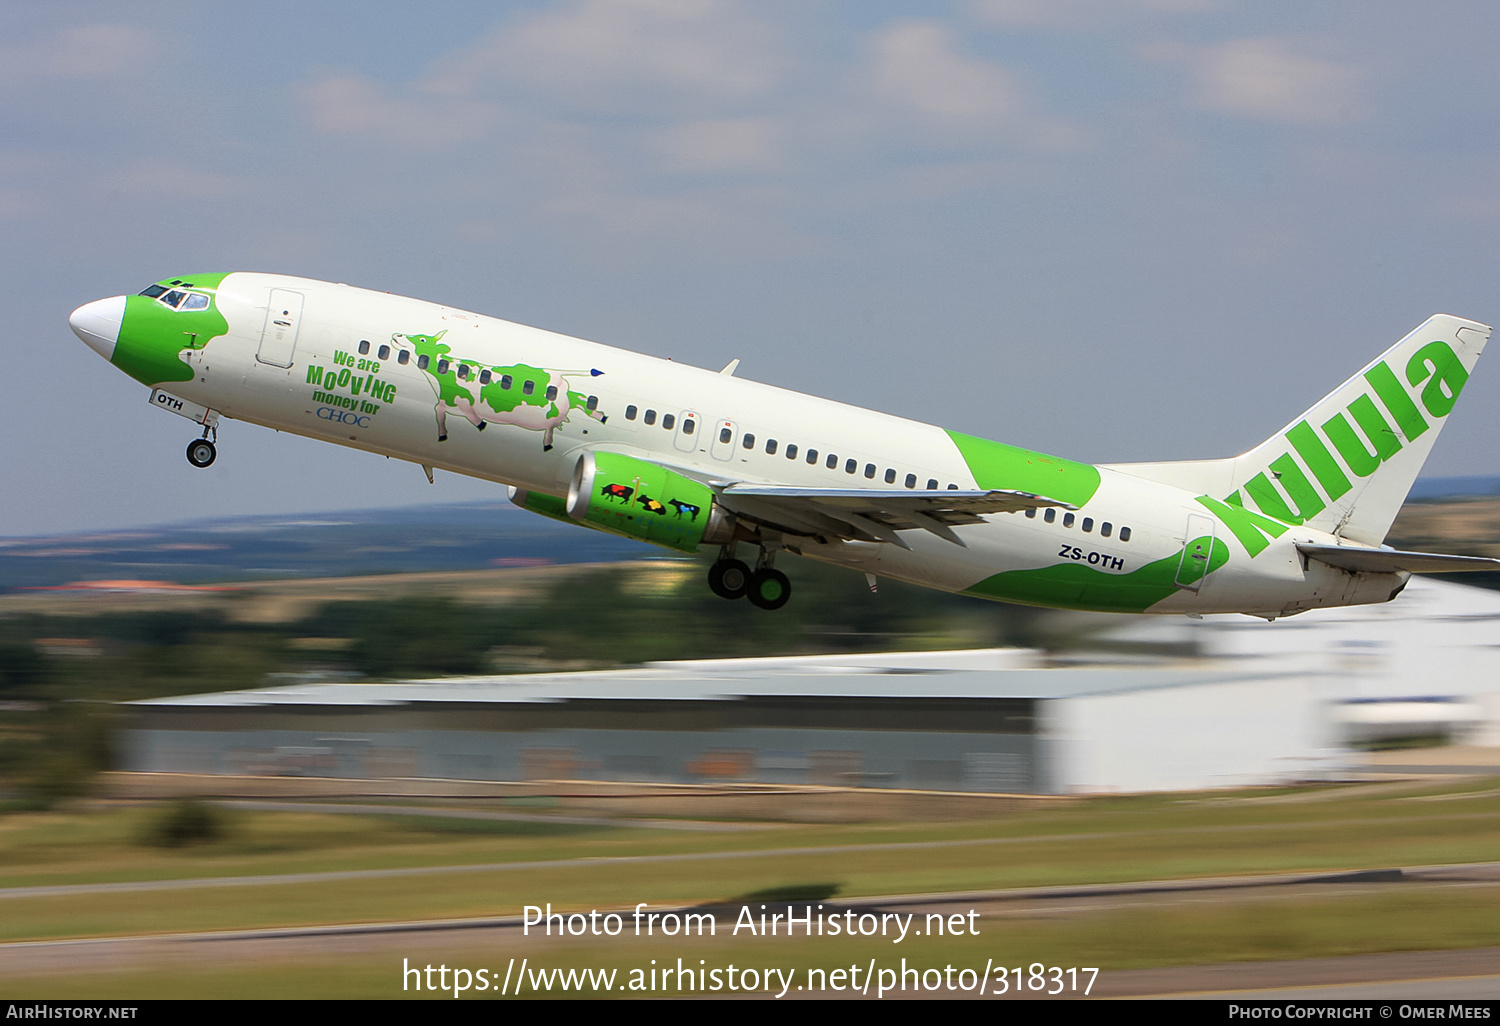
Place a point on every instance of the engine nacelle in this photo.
(641, 499)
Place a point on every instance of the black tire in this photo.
(769, 589)
(201, 452)
(728, 578)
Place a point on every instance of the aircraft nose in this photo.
(98, 324)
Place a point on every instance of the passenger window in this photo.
(402, 356)
(442, 367)
(384, 352)
(812, 456)
(890, 476)
(1124, 534)
(484, 376)
(506, 381)
(953, 487)
(932, 484)
(528, 387)
(911, 480)
(650, 417)
(689, 425)
(1088, 523)
(463, 372)
(592, 404)
(1067, 520)
(422, 362)
(551, 392)
(1106, 528)
(630, 412)
(668, 420)
(770, 447)
(364, 347)
(833, 462)
(726, 435)
(791, 452)
(870, 471)
(1031, 513)
(1050, 515)
(850, 466)
(195, 302)
(749, 442)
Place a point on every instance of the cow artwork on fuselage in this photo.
(521, 395)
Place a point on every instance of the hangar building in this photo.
(1155, 704)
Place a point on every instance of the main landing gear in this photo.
(200, 451)
(765, 586)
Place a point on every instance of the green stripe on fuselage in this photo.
(997, 465)
(152, 336)
(1076, 586)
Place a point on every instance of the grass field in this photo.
(575, 867)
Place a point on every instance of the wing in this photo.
(1390, 561)
(867, 514)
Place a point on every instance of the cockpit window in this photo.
(177, 299)
(152, 291)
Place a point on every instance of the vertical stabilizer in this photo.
(1346, 465)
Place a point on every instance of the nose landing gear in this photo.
(201, 451)
(765, 586)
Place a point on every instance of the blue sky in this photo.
(1109, 229)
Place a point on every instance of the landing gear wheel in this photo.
(728, 578)
(769, 589)
(201, 452)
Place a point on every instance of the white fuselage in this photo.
(231, 378)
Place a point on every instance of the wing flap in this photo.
(1389, 561)
(876, 514)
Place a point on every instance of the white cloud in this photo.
(81, 52)
(590, 107)
(1081, 14)
(1268, 80)
(159, 177)
(593, 47)
(916, 65)
(662, 60)
(352, 105)
(731, 145)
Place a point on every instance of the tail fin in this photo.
(1346, 465)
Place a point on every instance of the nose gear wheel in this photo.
(201, 452)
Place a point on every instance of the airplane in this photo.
(686, 458)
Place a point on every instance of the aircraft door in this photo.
(1198, 547)
(687, 431)
(723, 446)
(278, 339)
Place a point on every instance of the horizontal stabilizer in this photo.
(1390, 561)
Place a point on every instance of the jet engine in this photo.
(640, 499)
